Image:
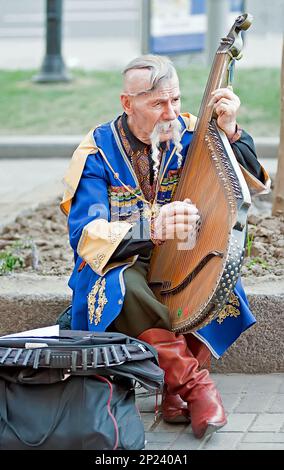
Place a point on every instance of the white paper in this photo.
(38, 332)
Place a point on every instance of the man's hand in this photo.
(225, 104)
(175, 220)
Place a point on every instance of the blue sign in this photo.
(179, 26)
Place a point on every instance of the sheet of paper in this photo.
(52, 330)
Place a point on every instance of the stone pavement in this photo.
(255, 410)
(26, 183)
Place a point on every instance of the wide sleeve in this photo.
(254, 173)
(131, 246)
(92, 236)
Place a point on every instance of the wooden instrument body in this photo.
(196, 283)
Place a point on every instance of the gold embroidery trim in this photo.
(97, 290)
(230, 309)
(233, 299)
(97, 261)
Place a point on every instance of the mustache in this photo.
(165, 126)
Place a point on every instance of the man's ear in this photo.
(126, 103)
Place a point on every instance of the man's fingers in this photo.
(224, 93)
(181, 208)
(181, 218)
(176, 219)
(225, 108)
(172, 229)
(225, 101)
(180, 227)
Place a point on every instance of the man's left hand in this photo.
(225, 104)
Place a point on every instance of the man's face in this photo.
(146, 109)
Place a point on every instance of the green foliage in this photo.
(12, 258)
(258, 90)
(250, 237)
(70, 108)
(93, 97)
(9, 262)
(253, 261)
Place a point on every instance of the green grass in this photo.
(9, 261)
(27, 108)
(250, 238)
(258, 90)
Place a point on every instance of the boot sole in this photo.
(211, 428)
(177, 420)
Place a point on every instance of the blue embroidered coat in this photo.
(103, 200)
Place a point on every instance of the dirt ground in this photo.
(38, 242)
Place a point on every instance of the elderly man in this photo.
(118, 195)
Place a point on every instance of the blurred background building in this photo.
(106, 34)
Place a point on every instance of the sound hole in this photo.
(166, 284)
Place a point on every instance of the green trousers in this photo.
(141, 310)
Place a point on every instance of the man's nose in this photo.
(169, 112)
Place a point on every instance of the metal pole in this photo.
(145, 26)
(53, 68)
(217, 26)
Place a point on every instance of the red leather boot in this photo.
(199, 350)
(174, 409)
(183, 378)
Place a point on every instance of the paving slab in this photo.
(254, 430)
(238, 422)
(268, 422)
(223, 441)
(264, 437)
(255, 403)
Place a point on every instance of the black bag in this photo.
(75, 391)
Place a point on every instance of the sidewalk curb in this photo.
(260, 349)
(267, 147)
(38, 146)
(64, 146)
(33, 301)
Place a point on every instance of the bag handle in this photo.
(64, 398)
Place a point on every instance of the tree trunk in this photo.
(278, 201)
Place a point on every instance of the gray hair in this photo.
(161, 68)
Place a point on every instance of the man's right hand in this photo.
(175, 220)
